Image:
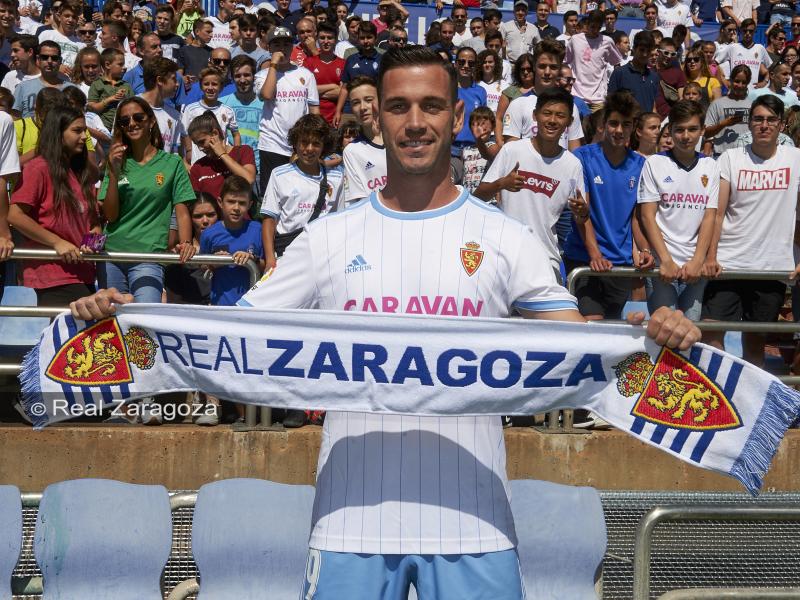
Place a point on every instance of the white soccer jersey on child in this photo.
(683, 196)
(391, 484)
(364, 169)
(296, 90)
(172, 129)
(758, 227)
(519, 122)
(225, 116)
(545, 191)
(736, 54)
(291, 196)
(671, 16)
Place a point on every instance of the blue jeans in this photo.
(144, 280)
(687, 297)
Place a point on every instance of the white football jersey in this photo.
(226, 117)
(172, 129)
(296, 91)
(758, 226)
(683, 195)
(520, 123)
(364, 169)
(548, 184)
(291, 196)
(391, 484)
(733, 55)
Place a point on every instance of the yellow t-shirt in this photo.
(28, 136)
(709, 84)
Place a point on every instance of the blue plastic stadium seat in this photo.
(19, 332)
(562, 538)
(11, 540)
(250, 539)
(103, 539)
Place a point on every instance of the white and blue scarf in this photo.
(704, 406)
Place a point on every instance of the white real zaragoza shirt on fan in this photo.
(364, 169)
(225, 115)
(172, 130)
(221, 35)
(519, 122)
(296, 90)
(392, 484)
(758, 226)
(732, 55)
(291, 196)
(683, 196)
(548, 184)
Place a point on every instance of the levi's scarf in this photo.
(703, 406)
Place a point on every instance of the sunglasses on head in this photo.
(136, 118)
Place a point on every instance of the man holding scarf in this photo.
(413, 499)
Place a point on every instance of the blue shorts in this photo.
(338, 575)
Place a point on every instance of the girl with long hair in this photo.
(489, 75)
(523, 78)
(726, 118)
(644, 139)
(142, 186)
(53, 206)
(696, 70)
(87, 69)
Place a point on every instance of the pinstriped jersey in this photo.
(391, 484)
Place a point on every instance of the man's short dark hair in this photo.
(667, 41)
(235, 184)
(242, 60)
(770, 102)
(621, 102)
(367, 28)
(312, 127)
(493, 35)
(597, 18)
(49, 44)
(609, 11)
(27, 42)
(326, 27)
(618, 35)
(747, 23)
(416, 56)
(116, 28)
(644, 39)
(165, 8)
(554, 95)
(654, 6)
(199, 24)
(568, 14)
(683, 110)
(549, 46)
(155, 68)
(247, 20)
(358, 81)
(492, 13)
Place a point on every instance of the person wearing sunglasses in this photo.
(747, 52)
(49, 62)
(728, 33)
(220, 59)
(141, 188)
(472, 96)
(776, 41)
(672, 78)
(696, 70)
(795, 28)
(87, 33)
(779, 76)
(63, 33)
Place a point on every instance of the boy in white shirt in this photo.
(678, 193)
(211, 84)
(755, 227)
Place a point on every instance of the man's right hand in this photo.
(513, 181)
(6, 247)
(711, 268)
(599, 263)
(100, 305)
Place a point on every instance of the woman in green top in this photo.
(142, 186)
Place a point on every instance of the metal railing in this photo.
(733, 593)
(688, 512)
(631, 272)
(251, 412)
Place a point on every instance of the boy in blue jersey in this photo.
(235, 236)
(473, 96)
(246, 104)
(611, 174)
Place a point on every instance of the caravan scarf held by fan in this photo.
(704, 406)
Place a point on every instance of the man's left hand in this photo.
(668, 328)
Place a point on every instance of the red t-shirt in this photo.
(326, 73)
(298, 56)
(208, 174)
(35, 189)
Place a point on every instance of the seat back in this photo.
(250, 539)
(103, 539)
(561, 534)
(19, 333)
(11, 540)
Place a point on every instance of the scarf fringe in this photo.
(32, 389)
(781, 408)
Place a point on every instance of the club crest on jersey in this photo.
(704, 180)
(675, 393)
(471, 257)
(631, 182)
(159, 179)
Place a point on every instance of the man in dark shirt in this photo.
(670, 89)
(193, 58)
(364, 62)
(546, 31)
(636, 77)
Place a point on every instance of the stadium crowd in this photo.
(142, 127)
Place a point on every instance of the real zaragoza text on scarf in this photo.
(705, 407)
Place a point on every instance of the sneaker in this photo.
(121, 415)
(209, 414)
(592, 421)
(294, 419)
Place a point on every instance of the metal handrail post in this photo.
(751, 275)
(686, 512)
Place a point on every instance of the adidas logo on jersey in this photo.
(668, 179)
(369, 165)
(357, 265)
(598, 179)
